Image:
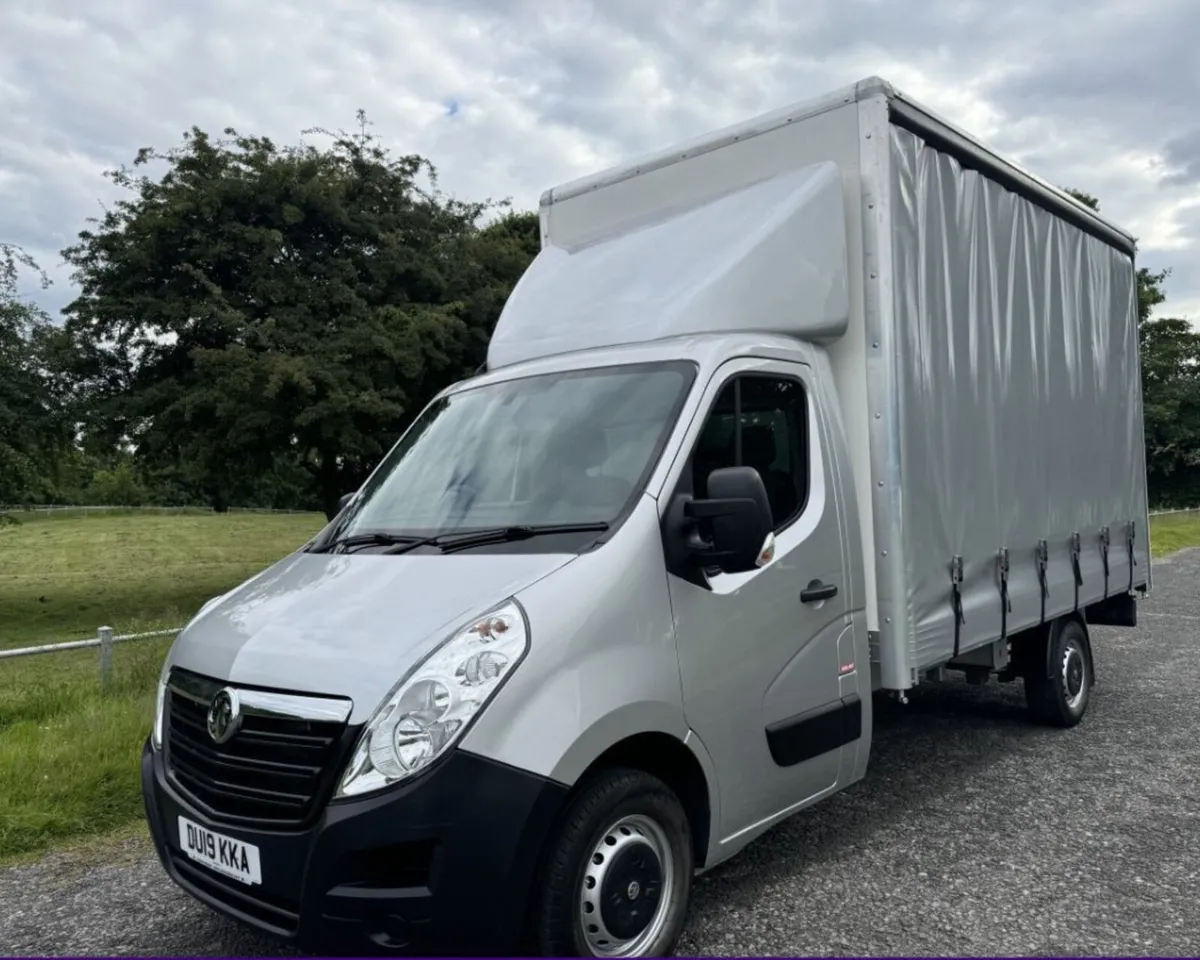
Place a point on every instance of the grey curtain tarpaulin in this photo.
(1020, 400)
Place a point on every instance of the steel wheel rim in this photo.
(1074, 675)
(621, 868)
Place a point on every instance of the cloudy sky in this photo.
(508, 97)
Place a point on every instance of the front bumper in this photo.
(444, 864)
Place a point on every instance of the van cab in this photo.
(514, 640)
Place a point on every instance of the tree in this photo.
(1170, 354)
(1171, 398)
(32, 430)
(499, 254)
(258, 308)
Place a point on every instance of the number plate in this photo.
(233, 858)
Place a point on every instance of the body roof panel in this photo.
(704, 143)
(904, 111)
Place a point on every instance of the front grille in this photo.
(275, 771)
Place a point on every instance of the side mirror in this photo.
(344, 499)
(736, 515)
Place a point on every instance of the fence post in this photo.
(106, 658)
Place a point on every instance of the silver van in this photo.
(803, 412)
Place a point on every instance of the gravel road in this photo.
(973, 833)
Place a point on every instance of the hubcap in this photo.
(627, 887)
(1073, 675)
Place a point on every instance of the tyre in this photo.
(1061, 699)
(617, 878)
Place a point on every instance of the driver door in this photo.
(767, 657)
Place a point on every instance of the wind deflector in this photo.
(768, 257)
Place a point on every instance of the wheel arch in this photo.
(668, 758)
(666, 749)
(1033, 647)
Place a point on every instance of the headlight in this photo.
(160, 702)
(432, 707)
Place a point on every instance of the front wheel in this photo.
(1061, 699)
(617, 879)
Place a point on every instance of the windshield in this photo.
(556, 448)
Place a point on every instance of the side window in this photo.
(759, 421)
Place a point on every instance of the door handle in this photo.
(817, 590)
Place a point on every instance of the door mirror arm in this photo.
(726, 507)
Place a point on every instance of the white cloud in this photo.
(508, 97)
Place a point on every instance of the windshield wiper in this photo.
(377, 538)
(450, 542)
(447, 542)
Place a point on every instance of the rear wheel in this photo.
(1061, 699)
(618, 874)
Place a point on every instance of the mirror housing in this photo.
(344, 499)
(733, 524)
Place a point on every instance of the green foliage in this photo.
(119, 486)
(32, 429)
(1171, 388)
(259, 310)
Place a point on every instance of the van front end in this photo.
(442, 863)
(371, 745)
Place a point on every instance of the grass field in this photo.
(69, 756)
(1172, 532)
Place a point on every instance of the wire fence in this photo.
(52, 509)
(105, 639)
